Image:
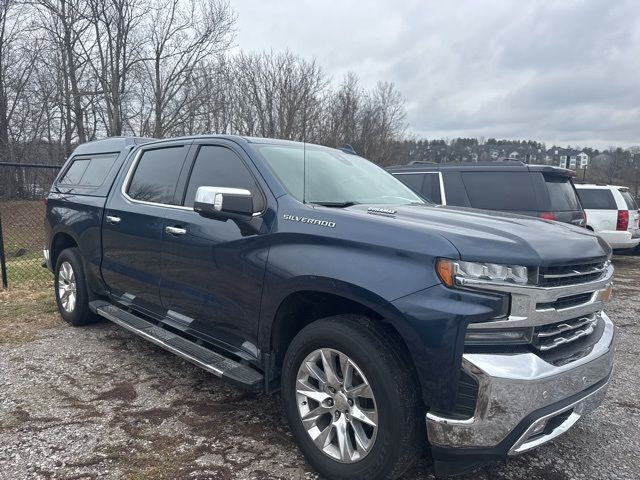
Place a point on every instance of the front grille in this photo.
(571, 274)
(566, 302)
(552, 336)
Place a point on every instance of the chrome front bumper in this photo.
(522, 388)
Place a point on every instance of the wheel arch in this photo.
(302, 307)
(59, 242)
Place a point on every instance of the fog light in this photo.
(511, 336)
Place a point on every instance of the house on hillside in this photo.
(582, 159)
(567, 158)
(526, 154)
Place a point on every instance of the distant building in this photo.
(526, 154)
(567, 158)
(583, 159)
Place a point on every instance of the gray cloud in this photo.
(563, 72)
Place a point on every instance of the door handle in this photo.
(113, 219)
(175, 230)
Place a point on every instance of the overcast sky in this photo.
(565, 72)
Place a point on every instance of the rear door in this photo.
(562, 201)
(600, 207)
(133, 221)
(634, 216)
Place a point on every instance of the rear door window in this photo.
(562, 195)
(497, 190)
(88, 172)
(597, 199)
(631, 203)
(156, 175)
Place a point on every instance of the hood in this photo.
(489, 236)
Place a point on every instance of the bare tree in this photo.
(390, 114)
(342, 112)
(65, 21)
(114, 54)
(372, 122)
(75, 70)
(277, 95)
(181, 35)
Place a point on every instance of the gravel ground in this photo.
(98, 402)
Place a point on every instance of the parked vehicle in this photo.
(612, 213)
(506, 186)
(382, 319)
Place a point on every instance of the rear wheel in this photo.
(351, 401)
(72, 295)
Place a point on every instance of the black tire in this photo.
(80, 313)
(401, 435)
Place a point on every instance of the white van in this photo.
(612, 213)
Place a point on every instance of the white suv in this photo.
(612, 213)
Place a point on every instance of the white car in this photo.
(612, 213)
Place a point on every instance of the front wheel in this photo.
(351, 401)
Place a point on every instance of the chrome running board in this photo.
(213, 362)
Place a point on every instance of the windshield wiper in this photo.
(335, 204)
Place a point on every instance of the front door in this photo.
(132, 226)
(213, 269)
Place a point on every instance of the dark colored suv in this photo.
(507, 186)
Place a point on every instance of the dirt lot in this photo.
(97, 402)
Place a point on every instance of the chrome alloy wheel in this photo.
(67, 287)
(336, 405)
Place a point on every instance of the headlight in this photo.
(454, 272)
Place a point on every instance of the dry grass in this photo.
(25, 310)
(23, 226)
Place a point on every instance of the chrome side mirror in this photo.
(224, 202)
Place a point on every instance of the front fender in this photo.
(281, 291)
(434, 322)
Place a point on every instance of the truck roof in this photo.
(118, 144)
(256, 140)
(506, 165)
(111, 144)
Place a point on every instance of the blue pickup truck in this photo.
(386, 323)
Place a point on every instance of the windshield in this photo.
(334, 178)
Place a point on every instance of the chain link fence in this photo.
(23, 187)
